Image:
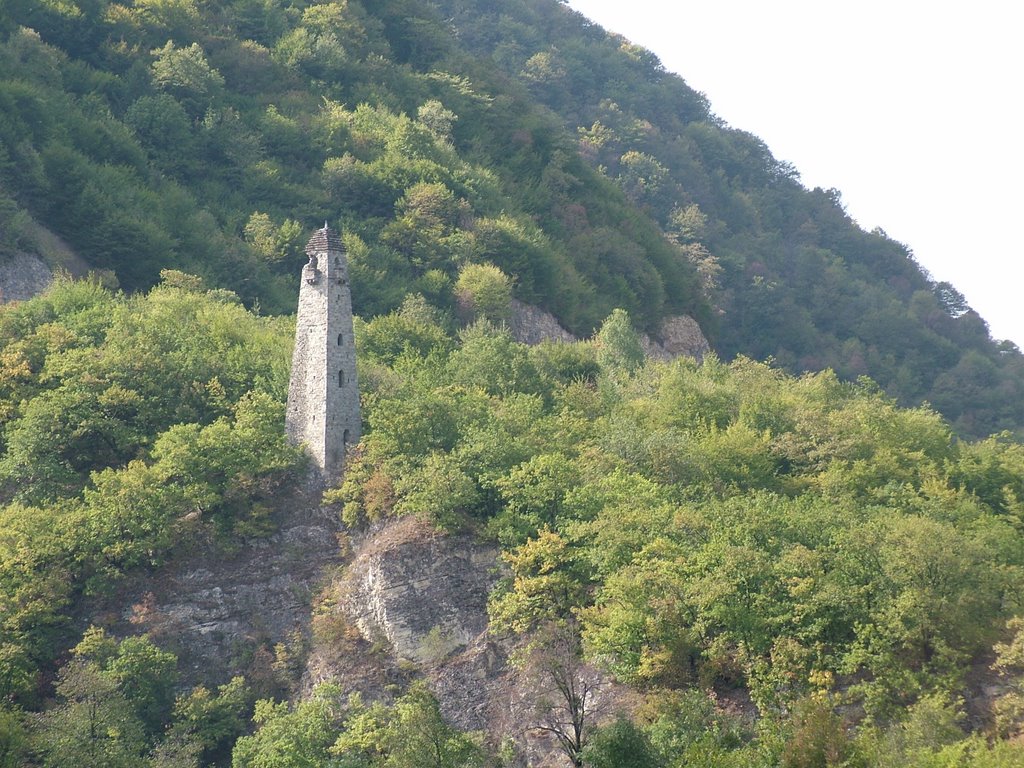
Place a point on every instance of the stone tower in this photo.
(323, 394)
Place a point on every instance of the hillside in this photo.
(742, 567)
(211, 137)
(558, 554)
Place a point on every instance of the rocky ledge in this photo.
(678, 336)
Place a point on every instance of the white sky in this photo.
(911, 108)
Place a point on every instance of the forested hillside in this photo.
(212, 136)
(695, 531)
(806, 550)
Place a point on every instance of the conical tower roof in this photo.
(325, 239)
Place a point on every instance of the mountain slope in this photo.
(210, 137)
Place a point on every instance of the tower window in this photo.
(341, 339)
(341, 378)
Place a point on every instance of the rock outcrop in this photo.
(679, 336)
(418, 600)
(22, 276)
(532, 325)
(215, 608)
(423, 593)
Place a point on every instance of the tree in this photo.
(273, 243)
(287, 736)
(164, 129)
(93, 723)
(484, 292)
(548, 583)
(145, 674)
(419, 737)
(950, 299)
(620, 745)
(618, 345)
(1009, 663)
(13, 739)
(491, 360)
(187, 75)
(437, 119)
(212, 721)
(818, 739)
(563, 689)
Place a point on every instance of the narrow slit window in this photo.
(341, 378)
(341, 339)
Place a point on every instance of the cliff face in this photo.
(22, 276)
(220, 611)
(370, 614)
(679, 336)
(413, 602)
(425, 594)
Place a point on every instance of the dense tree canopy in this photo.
(714, 524)
(151, 135)
(693, 526)
(792, 533)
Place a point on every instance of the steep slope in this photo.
(724, 540)
(210, 137)
(799, 281)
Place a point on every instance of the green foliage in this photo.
(93, 724)
(545, 585)
(418, 736)
(135, 423)
(13, 739)
(795, 278)
(147, 134)
(290, 738)
(618, 346)
(274, 243)
(490, 360)
(321, 731)
(619, 745)
(687, 728)
(484, 292)
(212, 721)
(187, 75)
(708, 524)
(818, 736)
(720, 524)
(145, 675)
(1009, 663)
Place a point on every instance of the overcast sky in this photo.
(912, 109)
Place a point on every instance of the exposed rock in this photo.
(423, 592)
(419, 597)
(532, 325)
(213, 609)
(678, 336)
(416, 600)
(22, 276)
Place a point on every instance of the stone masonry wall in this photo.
(323, 393)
